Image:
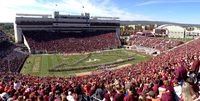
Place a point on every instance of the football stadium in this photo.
(62, 57)
(65, 45)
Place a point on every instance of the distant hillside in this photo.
(156, 22)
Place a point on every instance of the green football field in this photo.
(39, 65)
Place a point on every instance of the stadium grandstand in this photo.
(158, 43)
(66, 33)
(172, 75)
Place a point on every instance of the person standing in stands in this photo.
(119, 96)
(131, 93)
(107, 95)
(187, 92)
(168, 94)
(79, 92)
(180, 73)
(195, 65)
(153, 97)
(177, 89)
(99, 93)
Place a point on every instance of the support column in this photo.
(18, 34)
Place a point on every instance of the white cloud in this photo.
(95, 7)
(150, 2)
(9, 8)
(103, 8)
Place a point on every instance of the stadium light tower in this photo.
(56, 7)
(83, 11)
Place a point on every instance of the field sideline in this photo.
(38, 65)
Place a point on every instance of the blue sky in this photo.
(181, 11)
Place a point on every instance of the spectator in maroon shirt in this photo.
(195, 65)
(168, 95)
(155, 87)
(132, 96)
(119, 96)
(107, 95)
(180, 73)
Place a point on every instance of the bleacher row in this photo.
(154, 42)
(166, 77)
(68, 42)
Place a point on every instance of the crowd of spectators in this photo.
(13, 61)
(160, 44)
(10, 59)
(3, 36)
(5, 48)
(170, 76)
(71, 42)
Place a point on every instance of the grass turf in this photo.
(43, 62)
